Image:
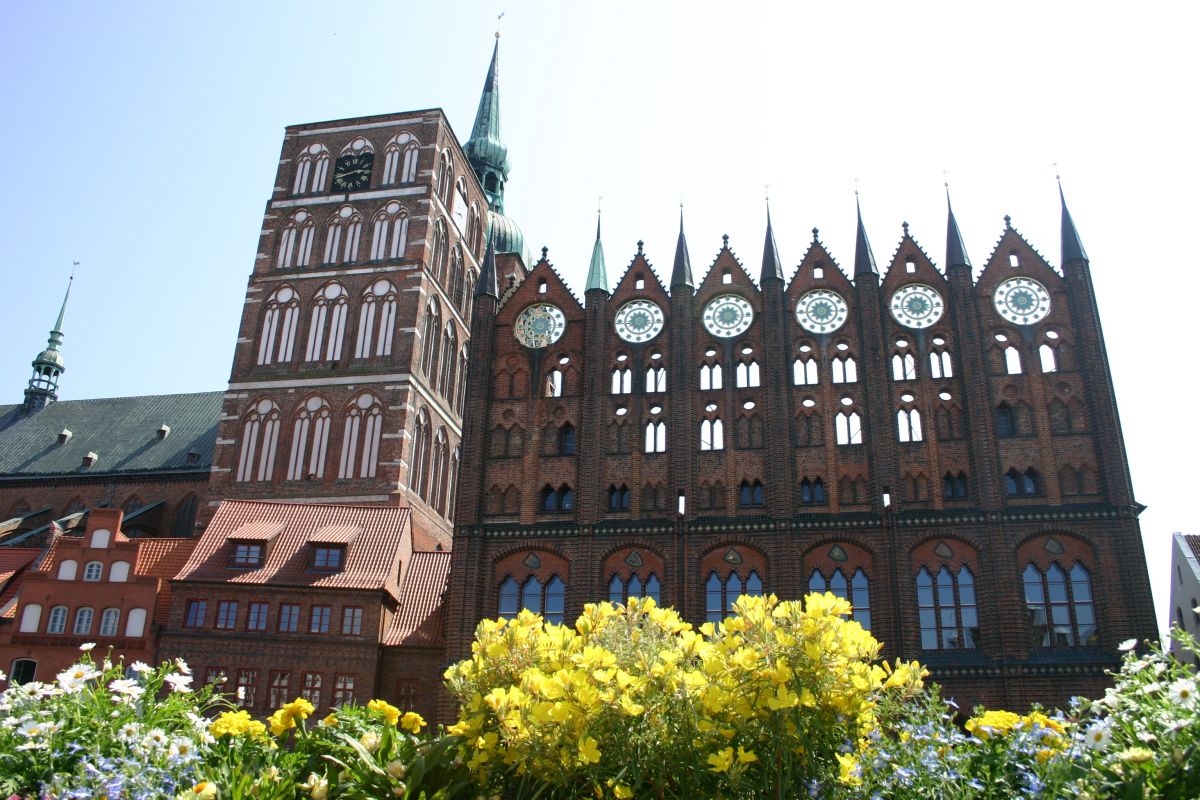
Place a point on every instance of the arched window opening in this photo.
(110, 621)
(429, 336)
(904, 367)
(118, 572)
(1061, 609)
(260, 435)
(812, 492)
(461, 392)
(554, 501)
(618, 498)
(746, 375)
(620, 591)
(857, 591)
(566, 439)
(720, 595)
(710, 376)
(327, 323)
(1022, 484)
(93, 571)
(343, 233)
(310, 440)
(378, 307)
(312, 163)
(361, 433)
(1006, 420)
(622, 380)
(135, 623)
(940, 365)
(438, 478)
(712, 434)
(804, 372)
(83, 621)
(848, 427)
(57, 623)
(954, 486)
(750, 495)
(656, 379)
(1012, 361)
(422, 442)
(408, 169)
(656, 437)
(390, 234)
(1048, 358)
(31, 618)
(948, 614)
(916, 486)
(449, 351)
(445, 178)
(554, 383)
(845, 370)
(280, 318)
(908, 425)
(185, 517)
(456, 275)
(440, 254)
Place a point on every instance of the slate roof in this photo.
(122, 431)
(372, 560)
(12, 561)
(419, 620)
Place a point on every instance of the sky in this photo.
(142, 141)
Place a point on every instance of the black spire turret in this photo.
(681, 274)
(956, 251)
(48, 365)
(864, 259)
(488, 284)
(772, 268)
(1072, 247)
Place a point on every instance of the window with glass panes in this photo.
(196, 611)
(719, 595)
(343, 689)
(857, 590)
(546, 599)
(311, 688)
(246, 555)
(946, 606)
(289, 618)
(256, 618)
(280, 691)
(1060, 606)
(352, 621)
(227, 614)
(319, 619)
(246, 686)
(328, 558)
(621, 590)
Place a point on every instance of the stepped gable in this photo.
(419, 622)
(13, 562)
(122, 431)
(377, 538)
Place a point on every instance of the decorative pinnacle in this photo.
(544, 251)
(816, 232)
(904, 225)
(725, 240)
(640, 245)
(1007, 222)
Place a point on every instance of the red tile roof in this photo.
(372, 560)
(13, 560)
(257, 531)
(419, 620)
(163, 558)
(335, 534)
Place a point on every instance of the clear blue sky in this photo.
(141, 139)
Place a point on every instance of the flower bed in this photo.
(781, 700)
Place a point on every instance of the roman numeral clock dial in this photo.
(353, 172)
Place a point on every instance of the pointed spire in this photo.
(48, 365)
(488, 284)
(681, 274)
(956, 251)
(772, 268)
(1072, 247)
(485, 149)
(864, 259)
(597, 276)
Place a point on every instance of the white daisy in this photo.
(179, 683)
(141, 667)
(1183, 692)
(87, 646)
(182, 666)
(129, 731)
(155, 738)
(182, 747)
(1098, 736)
(1127, 645)
(127, 687)
(73, 679)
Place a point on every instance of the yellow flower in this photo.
(412, 722)
(745, 756)
(721, 761)
(298, 708)
(622, 792)
(236, 723)
(281, 721)
(331, 720)
(589, 751)
(1136, 755)
(848, 769)
(204, 790)
(389, 711)
(992, 723)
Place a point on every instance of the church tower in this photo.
(48, 366)
(349, 371)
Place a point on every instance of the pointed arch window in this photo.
(554, 501)
(720, 595)
(845, 370)
(566, 439)
(622, 380)
(376, 320)
(439, 488)
(390, 234)
(812, 492)
(848, 427)
(437, 261)
(280, 319)
(954, 485)
(748, 432)
(312, 167)
(946, 606)
(461, 393)
(857, 590)
(804, 372)
(554, 383)
(750, 494)
(1061, 609)
(619, 591)
(422, 441)
(618, 498)
(940, 365)
(327, 323)
(712, 434)
(400, 159)
(710, 376)
(456, 276)
(747, 374)
(1019, 484)
(310, 440)
(656, 437)
(361, 433)
(908, 425)
(547, 600)
(1012, 361)
(904, 367)
(260, 436)
(1048, 358)
(474, 230)
(342, 235)
(656, 379)
(429, 336)
(449, 351)
(296, 241)
(445, 178)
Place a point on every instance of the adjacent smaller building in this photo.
(102, 587)
(288, 600)
(1185, 587)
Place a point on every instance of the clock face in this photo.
(353, 171)
(1022, 300)
(917, 306)
(728, 315)
(539, 325)
(821, 311)
(639, 321)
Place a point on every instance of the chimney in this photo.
(164, 431)
(64, 436)
(89, 459)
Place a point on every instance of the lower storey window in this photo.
(857, 591)
(22, 671)
(720, 594)
(1061, 612)
(547, 600)
(280, 689)
(343, 689)
(246, 687)
(619, 590)
(949, 616)
(311, 689)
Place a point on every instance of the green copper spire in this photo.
(864, 259)
(48, 365)
(597, 276)
(485, 149)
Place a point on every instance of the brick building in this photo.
(942, 449)
(1185, 587)
(101, 587)
(297, 599)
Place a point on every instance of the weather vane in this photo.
(499, 17)
(856, 187)
(946, 178)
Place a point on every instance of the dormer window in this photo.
(246, 555)
(328, 559)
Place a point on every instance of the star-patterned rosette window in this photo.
(1023, 301)
(917, 306)
(821, 311)
(539, 325)
(728, 315)
(639, 321)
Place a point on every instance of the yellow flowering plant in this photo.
(634, 701)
